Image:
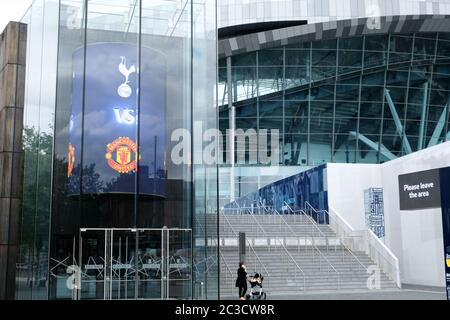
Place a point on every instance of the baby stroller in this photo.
(256, 288)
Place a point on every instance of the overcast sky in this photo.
(12, 10)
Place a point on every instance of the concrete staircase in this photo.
(295, 255)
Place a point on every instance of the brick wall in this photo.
(12, 89)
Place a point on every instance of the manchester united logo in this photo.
(70, 160)
(125, 150)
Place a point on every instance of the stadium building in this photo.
(108, 198)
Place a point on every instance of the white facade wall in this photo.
(237, 12)
(415, 237)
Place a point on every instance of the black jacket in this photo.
(241, 280)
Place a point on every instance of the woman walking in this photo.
(241, 281)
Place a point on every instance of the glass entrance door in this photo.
(135, 264)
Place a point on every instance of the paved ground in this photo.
(408, 292)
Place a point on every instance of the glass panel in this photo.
(180, 264)
(323, 58)
(125, 265)
(297, 57)
(270, 80)
(346, 109)
(244, 83)
(353, 43)
(295, 149)
(319, 109)
(348, 93)
(296, 125)
(376, 43)
(272, 57)
(344, 148)
(373, 59)
(296, 76)
(345, 125)
(92, 262)
(401, 44)
(369, 126)
(270, 108)
(296, 108)
(67, 143)
(242, 60)
(247, 110)
(319, 148)
(424, 48)
(149, 264)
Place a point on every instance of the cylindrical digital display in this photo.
(109, 88)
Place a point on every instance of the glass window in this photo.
(401, 44)
(434, 114)
(416, 95)
(345, 125)
(324, 58)
(296, 125)
(270, 80)
(414, 111)
(271, 123)
(389, 127)
(247, 110)
(296, 76)
(412, 128)
(371, 109)
(344, 148)
(299, 95)
(353, 43)
(246, 123)
(441, 81)
(269, 108)
(350, 58)
(438, 97)
(321, 125)
(322, 109)
(296, 108)
(320, 73)
(324, 44)
(376, 43)
(347, 93)
(400, 109)
(398, 94)
(242, 60)
(397, 77)
(373, 59)
(376, 78)
(399, 57)
(325, 92)
(319, 149)
(297, 57)
(370, 93)
(424, 48)
(244, 83)
(346, 109)
(270, 57)
(295, 149)
(369, 126)
(443, 48)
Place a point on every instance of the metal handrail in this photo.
(314, 246)
(287, 252)
(310, 220)
(315, 210)
(343, 244)
(251, 247)
(391, 260)
(226, 265)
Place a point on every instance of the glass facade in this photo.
(108, 213)
(363, 99)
